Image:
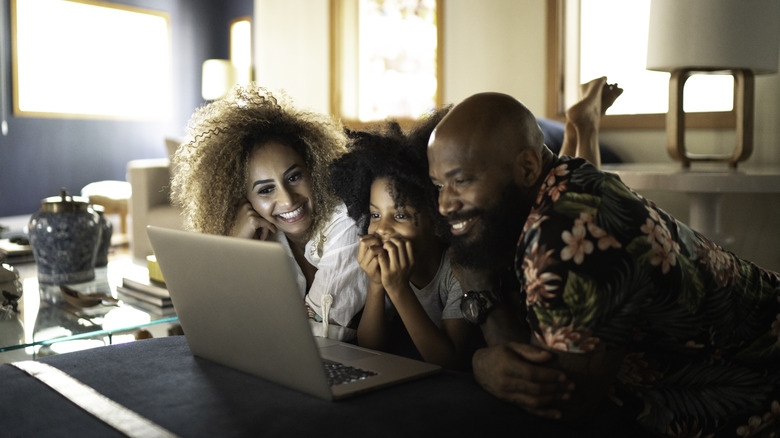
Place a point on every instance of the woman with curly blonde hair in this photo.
(254, 166)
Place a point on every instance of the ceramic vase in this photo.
(64, 236)
(104, 243)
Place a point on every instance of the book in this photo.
(147, 287)
(153, 309)
(144, 297)
(14, 251)
(155, 274)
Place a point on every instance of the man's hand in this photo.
(515, 372)
(250, 225)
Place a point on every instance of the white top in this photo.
(333, 251)
(441, 297)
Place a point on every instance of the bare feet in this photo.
(596, 97)
(583, 118)
(609, 95)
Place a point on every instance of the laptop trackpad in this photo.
(339, 352)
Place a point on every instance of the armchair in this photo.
(150, 202)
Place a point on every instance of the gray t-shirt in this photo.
(441, 297)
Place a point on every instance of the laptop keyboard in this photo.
(339, 374)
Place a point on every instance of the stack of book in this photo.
(145, 292)
(16, 250)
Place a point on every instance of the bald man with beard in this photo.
(589, 296)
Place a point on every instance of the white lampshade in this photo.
(714, 34)
(686, 37)
(219, 75)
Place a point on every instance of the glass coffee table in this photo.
(47, 324)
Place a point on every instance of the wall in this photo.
(291, 48)
(496, 45)
(41, 155)
(499, 45)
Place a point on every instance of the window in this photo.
(241, 49)
(90, 59)
(592, 38)
(386, 58)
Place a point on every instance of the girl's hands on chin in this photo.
(368, 251)
(250, 225)
(396, 264)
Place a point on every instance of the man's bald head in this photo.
(487, 158)
(495, 123)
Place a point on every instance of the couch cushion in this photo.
(553, 138)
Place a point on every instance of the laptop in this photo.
(239, 305)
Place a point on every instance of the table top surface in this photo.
(46, 319)
(701, 178)
(162, 381)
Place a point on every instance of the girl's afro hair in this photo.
(388, 152)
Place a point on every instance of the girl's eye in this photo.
(294, 177)
(374, 216)
(265, 190)
(401, 216)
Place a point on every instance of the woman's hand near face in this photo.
(250, 225)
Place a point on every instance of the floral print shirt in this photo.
(602, 267)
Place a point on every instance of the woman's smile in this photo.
(279, 188)
(293, 216)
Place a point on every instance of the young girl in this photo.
(384, 182)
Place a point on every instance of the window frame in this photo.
(95, 115)
(556, 71)
(340, 28)
(251, 64)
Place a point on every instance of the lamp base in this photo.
(744, 90)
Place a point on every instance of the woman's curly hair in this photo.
(210, 169)
(388, 152)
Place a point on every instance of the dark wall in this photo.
(41, 155)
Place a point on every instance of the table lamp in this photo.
(737, 37)
(219, 76)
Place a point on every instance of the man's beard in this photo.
(494, 244)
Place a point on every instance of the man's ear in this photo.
(528, 167)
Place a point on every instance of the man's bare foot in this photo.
(569, 145)
(609, 94)
(592, 86)
(584, 117)
(588, 110)
(596, 97)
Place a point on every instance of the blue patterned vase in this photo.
(64, 237)
(104, 244)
